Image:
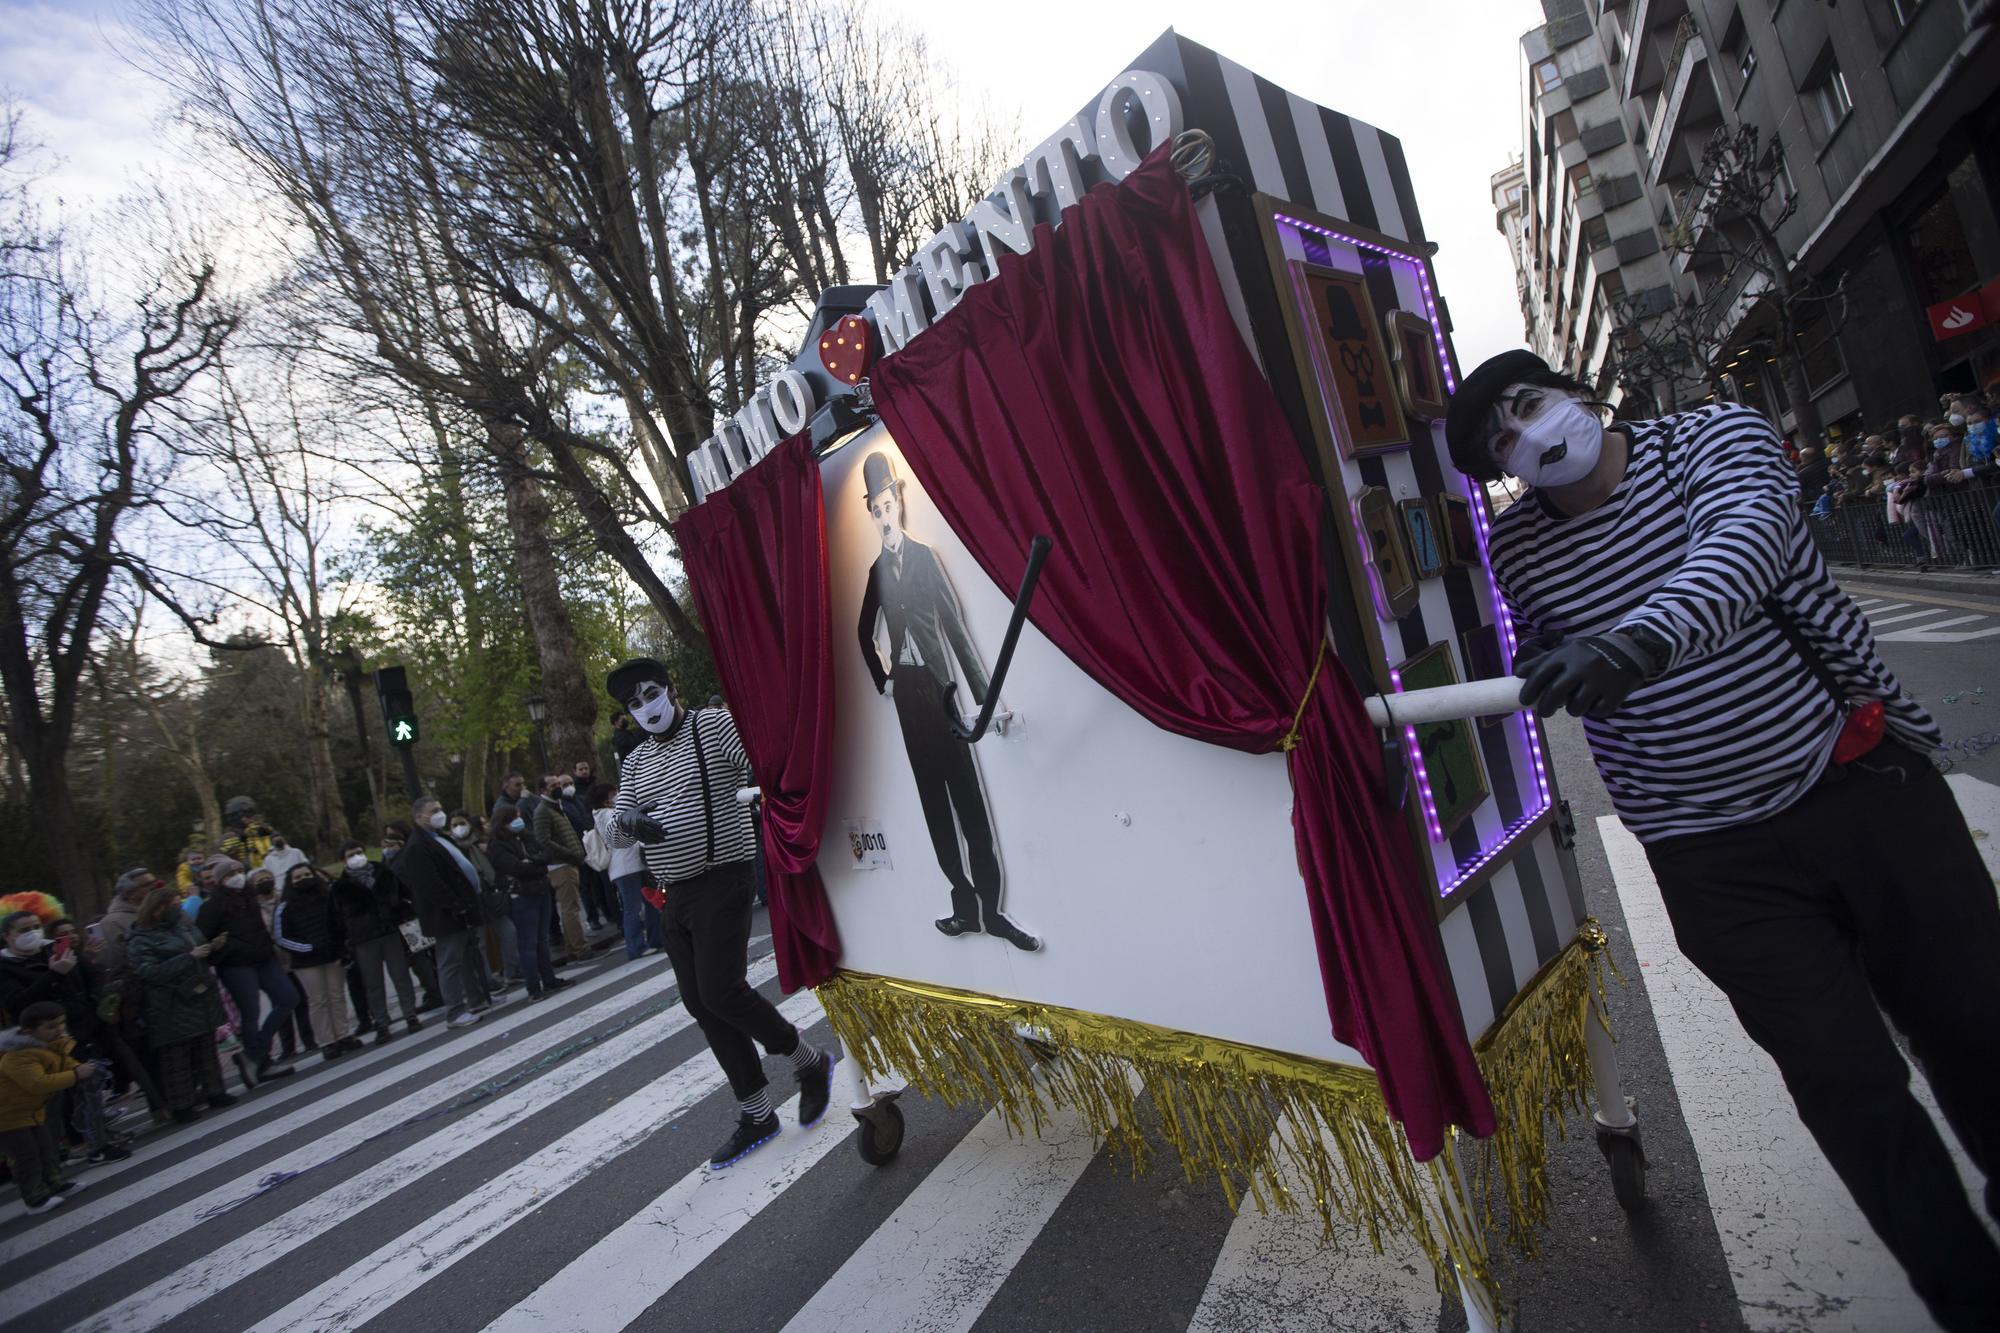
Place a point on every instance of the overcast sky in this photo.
(1443, 75)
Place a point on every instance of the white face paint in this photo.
(652, 707)
(1546, 437)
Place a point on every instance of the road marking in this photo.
(350, 1299)
(251, 1253)
(1275, 1275)
(1799, 1252)
(1936, 634)
(1991, 608)
(232, 1151)
(936, 1262)
(1876, 622)
(656, 1247)
(1889, 606)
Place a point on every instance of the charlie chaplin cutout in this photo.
(910, 596)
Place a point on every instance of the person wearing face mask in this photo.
(600, 900)
(558, 836)
(1745, 726)
(372, 903)
(282, 857)
(310, 928)
(495, 909)
(1980, 434)
(246, 963)
(445, 886)
(677, 800)
(522, 867)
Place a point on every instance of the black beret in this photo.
(1465, 419)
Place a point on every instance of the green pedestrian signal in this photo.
(403, 729)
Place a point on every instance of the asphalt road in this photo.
(541, 1171)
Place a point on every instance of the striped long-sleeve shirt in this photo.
(667, 775)
(1704, 527)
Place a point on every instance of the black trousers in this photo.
(1868, 896)
(707, 924)
(948, 786)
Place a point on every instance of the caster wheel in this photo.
(881, 1135)
(1627, 1161)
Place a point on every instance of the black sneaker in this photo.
(413, 1024)
(270, 1068)
(384, 1035)
(222, 1099)
(1003, 928)
(111, 1152)
(750, 1135)
(816, 1089)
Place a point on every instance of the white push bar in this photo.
(1442, 703)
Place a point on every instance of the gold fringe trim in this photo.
(1248, 1116)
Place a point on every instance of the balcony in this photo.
(1651, 20)
(1688, 109)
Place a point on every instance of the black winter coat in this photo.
(522, 863)
(372, 902)
(307, 916)
(445, 900)
(235, 911)
(26, 981)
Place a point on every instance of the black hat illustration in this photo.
(878, 474)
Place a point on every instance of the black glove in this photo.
(1591, 676)
(639, 824)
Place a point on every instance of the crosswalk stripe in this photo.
(1799, 1251)
(1275, 1275)
(449, 1140)
(232, 1151)
(1877, 622)
(937, 1260)
(323, 1099)
(366, 1288)
(655, 1248)
(1879, 608)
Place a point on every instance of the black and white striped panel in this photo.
(1287, 147)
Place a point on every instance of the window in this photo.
(1547, 75)
(1596, 234)
(1828, 96)
(1746, 64)
(1899, 12)
(1736, 46)
(1581, 182)
(1781, 171)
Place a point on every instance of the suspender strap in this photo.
(707, 796)
(1815, 663)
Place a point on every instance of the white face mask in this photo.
(357, 862)
(233, 882)
(1558, 447)
(653, 709)
(1956, 418)
(438, 818)
(569, 790)
(29, 941)
(461, 831)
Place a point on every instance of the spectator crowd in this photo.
(1920, 492)
(255, 957)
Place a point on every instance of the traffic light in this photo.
(399, 710)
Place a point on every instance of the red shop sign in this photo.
(1962, 314)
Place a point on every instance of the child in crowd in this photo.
(35, 1068)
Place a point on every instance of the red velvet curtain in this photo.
(755, 554)
(1097, 391)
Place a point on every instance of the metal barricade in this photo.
(1955, 527)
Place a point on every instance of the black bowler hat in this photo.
(878, 474)
(629, 676)
(1465, 419)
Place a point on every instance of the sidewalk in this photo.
(1976, 583)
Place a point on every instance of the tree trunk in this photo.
(572, 704)
(195, 764)
(329, 818)
(472, 782)
(53, 813)
(352, 681)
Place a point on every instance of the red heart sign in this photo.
(846, 349)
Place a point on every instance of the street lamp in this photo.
(538, 711)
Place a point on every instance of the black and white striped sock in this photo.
(757, 1107)
(805, 1056)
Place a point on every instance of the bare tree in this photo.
(87, 395)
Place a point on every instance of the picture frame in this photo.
(1484, 660)
(1351, 361)
(1453, 775)
(1420, 528)
(1395, 581)
(1414, 355)
(1459, 528)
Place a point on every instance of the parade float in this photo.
(1119, 660)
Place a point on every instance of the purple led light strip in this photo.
(1530, 732)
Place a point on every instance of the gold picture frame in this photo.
(1351, 361)
(1388, 554)
(1419, 374)
(1459, 527)
(1453, 774)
